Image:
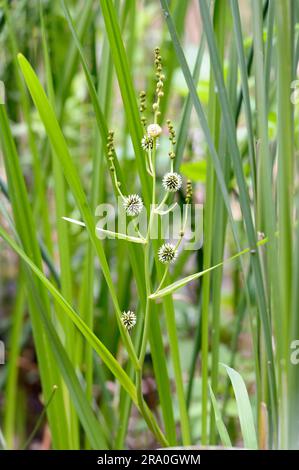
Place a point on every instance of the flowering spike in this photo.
(142, 99)
(110, 149)
(171, 131)
(189, 192)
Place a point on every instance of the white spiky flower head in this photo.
(128, 319)
(154, 130)
(167, 253)
(133, 204)
(147, 142)
(172, 182)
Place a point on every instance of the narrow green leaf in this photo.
(120, 236)
(182, 282)
(244, 408)
(245, 87)
(92, 339)
(12, 372)
(100, 349)
(224, 436)
(234, 152)
(59, 145)
(26, 230)
(62, 238)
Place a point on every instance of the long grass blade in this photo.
(224, 436)
(59, 145)
(244, 408)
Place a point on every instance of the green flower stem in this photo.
(146, 266)
(141, 403)
(162, 202)
(176, 248)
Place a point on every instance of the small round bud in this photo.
(154, 130)
(155, 106)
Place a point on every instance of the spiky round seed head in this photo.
(147, 142)
(172, 182)
(167, 253)
(154, 130)
(128, 319)
(133, 204)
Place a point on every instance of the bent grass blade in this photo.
(244, 408)
(120, 236)
(59, 145)
(182, 282)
